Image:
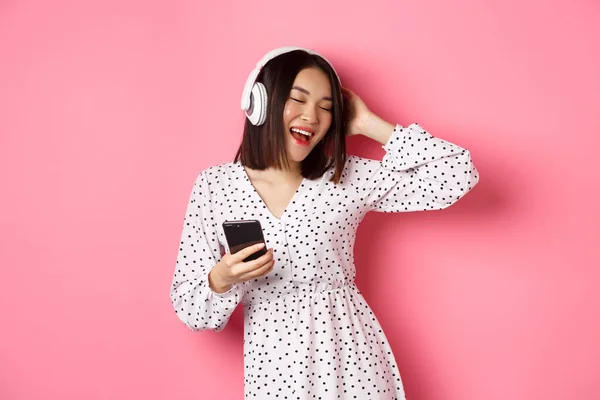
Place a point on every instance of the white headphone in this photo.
(254, 96)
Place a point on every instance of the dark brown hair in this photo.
(264, 146)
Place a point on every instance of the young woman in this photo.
(308, 332)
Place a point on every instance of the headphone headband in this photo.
(247, 92)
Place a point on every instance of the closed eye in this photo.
(301, 101)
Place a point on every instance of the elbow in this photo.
(471, 178)
(471, 172)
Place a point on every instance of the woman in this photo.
(308, 332)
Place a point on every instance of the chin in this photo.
(297, 157)
(296, 153)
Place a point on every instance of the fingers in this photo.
(241, 271)
(258, 272)
(245, 252)
(246, 267)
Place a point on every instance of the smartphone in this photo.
(243, 233)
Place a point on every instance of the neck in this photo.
(286, 174)
(275, 175)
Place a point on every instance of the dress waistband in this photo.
(297, 290)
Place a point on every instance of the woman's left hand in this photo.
(356, 113)
(359, 120)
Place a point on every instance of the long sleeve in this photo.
(418, 172)
(194, 302)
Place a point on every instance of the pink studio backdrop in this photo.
(109, 110)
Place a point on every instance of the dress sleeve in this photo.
(418, 172)
(194, 302)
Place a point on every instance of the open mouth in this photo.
(302, 137)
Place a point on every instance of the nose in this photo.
(310, 115)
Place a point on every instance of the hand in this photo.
(232, 269)
(357, 114)
(360, 120)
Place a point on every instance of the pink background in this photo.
(109, 109)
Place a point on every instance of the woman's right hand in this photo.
(232, 269)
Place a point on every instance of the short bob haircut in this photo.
(264, 146)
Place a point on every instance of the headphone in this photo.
(254, 96)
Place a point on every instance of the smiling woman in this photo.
(307, 116)
(303, 133)
(308, 331)
(298, 82)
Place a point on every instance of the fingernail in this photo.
(260, 245)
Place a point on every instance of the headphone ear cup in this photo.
(257, 113)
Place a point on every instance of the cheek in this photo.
(290, 111)
(326, 119)
(287, 113)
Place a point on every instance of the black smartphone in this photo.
(243, 233)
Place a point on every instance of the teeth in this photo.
(302, 132)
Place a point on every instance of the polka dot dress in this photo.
(308, 331)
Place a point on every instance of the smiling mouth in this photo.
(302, 137)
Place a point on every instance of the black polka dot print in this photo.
(308, 331)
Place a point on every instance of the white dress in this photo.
(308, 331)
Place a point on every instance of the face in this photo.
(307, 114)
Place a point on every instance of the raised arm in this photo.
(418, 172)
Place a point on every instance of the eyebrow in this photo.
(301, 89)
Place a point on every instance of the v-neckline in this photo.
(259, 199)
